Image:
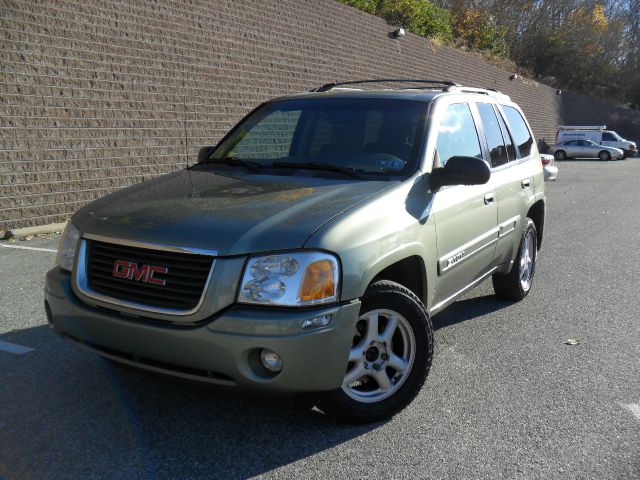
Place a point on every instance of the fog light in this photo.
(271, 360)
(316, 322)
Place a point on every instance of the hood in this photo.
(224, 210)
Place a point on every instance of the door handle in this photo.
(526, 183)
(488, 198)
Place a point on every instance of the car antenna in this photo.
(186, 135)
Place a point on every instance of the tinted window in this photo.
(521, 134)
(495, 141)
(457, 135)
(571, 143)
(376, 136)
(607, 137)
(271, 138)
(511, 150)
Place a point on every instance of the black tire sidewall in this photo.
(560, 155)
(509, 286)
(390, 296)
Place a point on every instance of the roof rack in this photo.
(444, 84)
(582, 127)
(481, 91)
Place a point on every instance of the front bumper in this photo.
(222, 351)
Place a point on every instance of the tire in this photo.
(604, 156)
(560, 155)
(410, 345)
(515, 285)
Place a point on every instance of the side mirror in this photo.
(205, 153)
(461, 171)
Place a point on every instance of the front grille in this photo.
(185, 277)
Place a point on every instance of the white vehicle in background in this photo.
(549, 167)
(597, 134)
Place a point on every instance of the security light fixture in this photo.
(558, 92)
(399, 32)
(513, 77)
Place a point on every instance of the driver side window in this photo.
(457, 134)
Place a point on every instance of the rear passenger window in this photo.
(521, 133)
(457, 135)
(511, 150)
(495, 141)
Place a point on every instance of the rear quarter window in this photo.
(521, 134)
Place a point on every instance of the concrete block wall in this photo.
(96, 95)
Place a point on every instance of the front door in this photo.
(465, 217)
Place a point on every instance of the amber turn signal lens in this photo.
(318, 281)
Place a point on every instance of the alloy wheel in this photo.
(527, 257)
(381, 357)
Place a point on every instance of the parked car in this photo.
(584, 149)
(549, 167)
(309, 249)
(599, 135)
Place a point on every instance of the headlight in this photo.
(67, 247)
(290, 279)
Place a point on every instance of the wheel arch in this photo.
(536, 213)
(409, 271)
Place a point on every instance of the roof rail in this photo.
(482, 91)
(443, 83)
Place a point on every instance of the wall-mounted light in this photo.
(513, 77)
(399, 32)
(558, 92)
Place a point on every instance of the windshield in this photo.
(370, 136)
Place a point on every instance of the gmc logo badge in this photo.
(144, 273)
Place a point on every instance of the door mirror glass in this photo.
(461, 171)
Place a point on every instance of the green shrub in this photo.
(418, 16)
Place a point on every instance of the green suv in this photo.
(307, 251)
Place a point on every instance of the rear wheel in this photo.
(389, 359)
(517, 283)
(560, 155)
(604, 156)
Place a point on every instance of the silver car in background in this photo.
(584, 149)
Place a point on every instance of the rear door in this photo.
(465, 216)
(585, 150)
(571, 148)
(514, 181)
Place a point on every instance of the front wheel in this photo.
(604, 156)
(389, 358)
(517, 283)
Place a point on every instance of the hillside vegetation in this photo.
(591, 47)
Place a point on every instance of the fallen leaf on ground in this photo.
(571, 341)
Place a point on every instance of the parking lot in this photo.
(507, 397)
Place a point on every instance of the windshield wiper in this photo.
(350, 172)
(235, 161)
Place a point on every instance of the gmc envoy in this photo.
(308, 250)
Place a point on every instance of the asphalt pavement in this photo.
(506, 396)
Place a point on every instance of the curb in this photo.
(26, 231)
